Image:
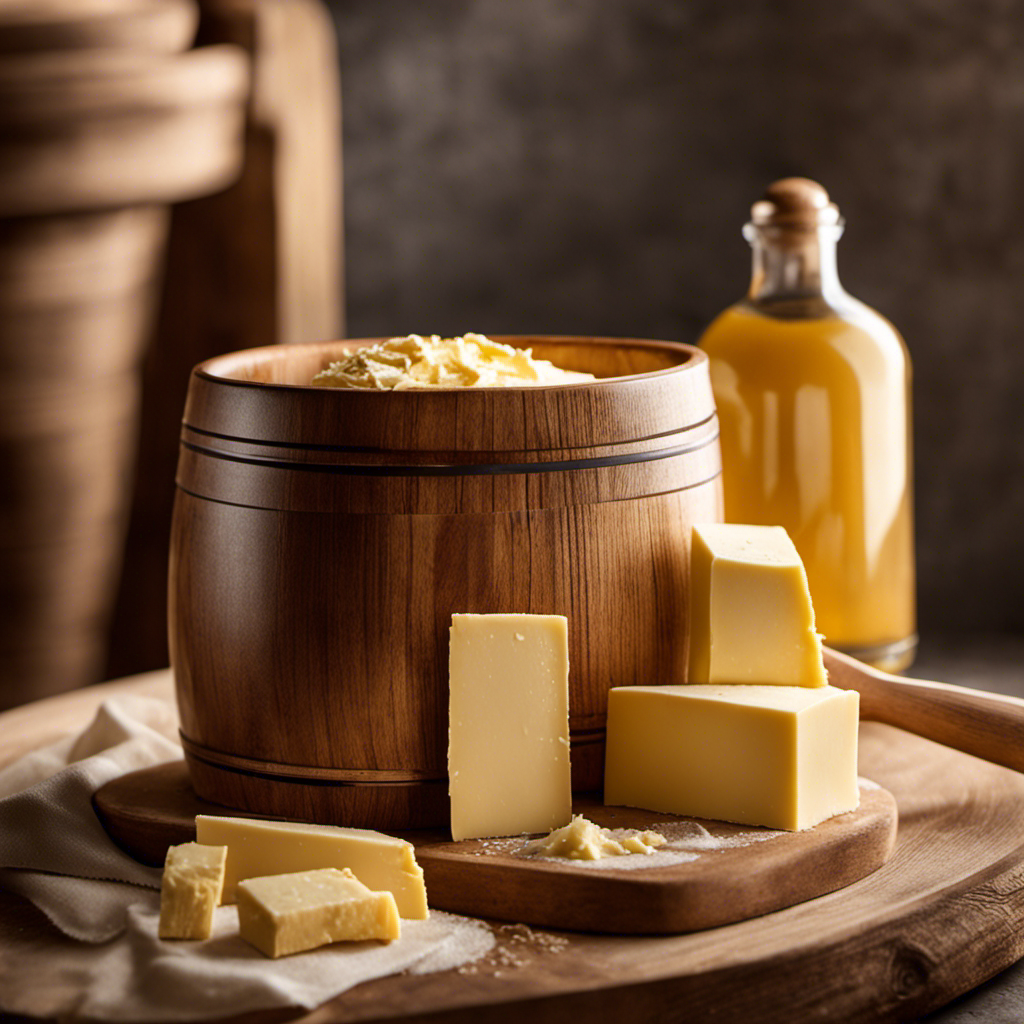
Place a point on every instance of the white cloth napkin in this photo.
(47, 823)
(54, 852)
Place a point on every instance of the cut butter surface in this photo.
(283, 914)
(750, 614)
(257, 848)
(508, 739)
(780, 756)
(190, 890)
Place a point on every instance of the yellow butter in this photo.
(468, 361)
(508, 740)
(190, 890)
(257, 848)
(750, 619)
(780, 756)
(582, 839)
(283, 914)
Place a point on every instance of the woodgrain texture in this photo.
(147, 811)
(322, 540)
(260, 263)
(944, 914)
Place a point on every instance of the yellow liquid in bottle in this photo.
(814, 437)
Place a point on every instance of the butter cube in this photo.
(780, 756)
(750, 617)
(190, 890)
(508, 739)
(283, 914)
(257, 848)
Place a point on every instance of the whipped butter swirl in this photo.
(470, 361)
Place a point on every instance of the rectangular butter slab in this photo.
(257, 848)
(289, 913)
(190, 890)
(750, 614)
(780, 756)
(508, 739)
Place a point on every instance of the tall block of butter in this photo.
(750, 617)
(780, 756)
(508, 738)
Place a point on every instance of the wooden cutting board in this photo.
(710, 873)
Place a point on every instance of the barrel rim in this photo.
(694, 356)
(581, 414)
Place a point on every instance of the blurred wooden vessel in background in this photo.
(98, 137)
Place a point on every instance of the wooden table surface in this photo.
(657, 993)
(993, 663)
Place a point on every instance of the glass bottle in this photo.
(813, 395)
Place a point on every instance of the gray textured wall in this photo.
(586, 165)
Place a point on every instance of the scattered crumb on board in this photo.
(517, 945)
(686, 841)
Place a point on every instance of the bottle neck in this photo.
(793, 265)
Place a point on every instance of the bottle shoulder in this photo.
(861, 315)
(843, 322)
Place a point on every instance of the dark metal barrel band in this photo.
(466, 469)
(368, 449)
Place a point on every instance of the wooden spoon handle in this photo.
(988, 725)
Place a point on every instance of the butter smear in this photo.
(581, 839)
(470, 361)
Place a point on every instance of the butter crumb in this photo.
(581, 839)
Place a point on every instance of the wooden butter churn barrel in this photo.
(322, 539)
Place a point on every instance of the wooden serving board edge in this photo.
(147, 811)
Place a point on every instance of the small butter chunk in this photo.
(283, 914)
(191, 888)
(508, 738)
(780, 756)
(257, 848)
(472, 361)
(750, 619)
(582, 839)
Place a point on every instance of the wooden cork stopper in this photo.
(794, 203)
